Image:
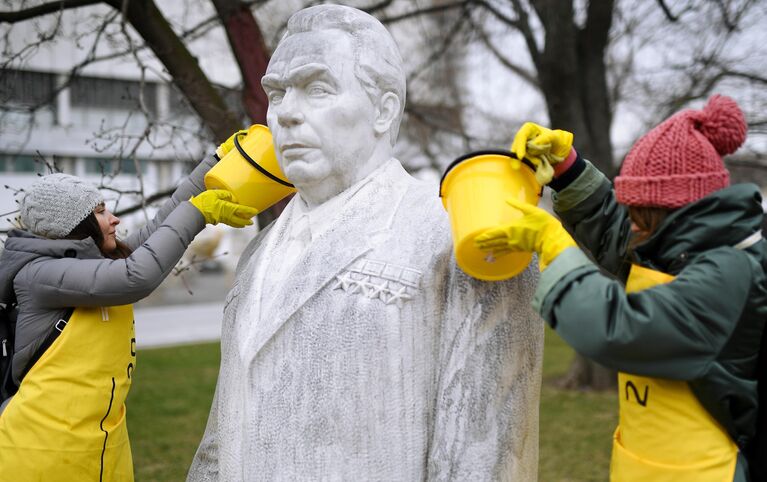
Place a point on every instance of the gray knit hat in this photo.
(55, 204)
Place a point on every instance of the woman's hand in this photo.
(226, 146)
(218, 207)
(544, 147)
(536, 231)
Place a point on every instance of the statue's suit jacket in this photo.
(376, 358)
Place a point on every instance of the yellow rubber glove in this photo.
(536, 231)
(228, 144)
(217, 207)
(544, 147)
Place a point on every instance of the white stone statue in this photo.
(353, 348)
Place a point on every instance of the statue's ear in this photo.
(386, 111)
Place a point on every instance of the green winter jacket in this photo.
(704, 327)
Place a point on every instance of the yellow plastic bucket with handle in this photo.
(474, 190)
(250, 171)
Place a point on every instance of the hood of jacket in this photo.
(21, 247)
(723, 218)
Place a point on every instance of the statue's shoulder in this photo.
(414, 191)
(419, 223)
(422, 201)
(252, 246)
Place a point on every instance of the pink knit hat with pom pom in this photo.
(680, 160)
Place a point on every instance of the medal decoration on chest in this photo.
(390, 283)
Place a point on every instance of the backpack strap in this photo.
(7, 336)
(749, 241)
(54, 333)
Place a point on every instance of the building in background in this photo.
(73, 130)
(118, 123)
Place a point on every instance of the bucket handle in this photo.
(257, 165)
(527, 162)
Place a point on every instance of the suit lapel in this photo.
(252, 281)
(360, 225)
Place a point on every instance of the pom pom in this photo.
(723, 124)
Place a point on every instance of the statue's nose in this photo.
(289, 112)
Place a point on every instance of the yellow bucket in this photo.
(250, 171)
(474, 190)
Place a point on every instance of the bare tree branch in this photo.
(511, 22)
(424, 11)
(751, 77)
(44, 9)
(667, 12)
(529, 77)
(523, 25)
(187, 74)
(72, 74)
(377, 6)
(148, 200)
(29, 48)
(729, 24)
(447, 40)
(422, 113)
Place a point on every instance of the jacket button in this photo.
(70, 253)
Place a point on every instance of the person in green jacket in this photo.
(681, 313)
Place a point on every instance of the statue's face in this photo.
(319, 115)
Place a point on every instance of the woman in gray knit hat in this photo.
(74, 283)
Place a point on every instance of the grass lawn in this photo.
(168, 407)
(169, 402)
(576, 430)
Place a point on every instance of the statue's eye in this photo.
(316, 90)
(276, 96)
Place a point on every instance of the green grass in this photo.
(168, 407)
(169, 402)
(576, 427)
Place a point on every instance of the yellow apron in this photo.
(67, 421)
(664, 433)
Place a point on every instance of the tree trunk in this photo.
(182, 66)
(586, 374)
(573, 76)
(249, 49)
(573, 79)
(591, 44)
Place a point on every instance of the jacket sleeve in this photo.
(191, 186)
(672, 330)
(63, 282)
(588, 209)
(486, 413)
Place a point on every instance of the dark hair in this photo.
(89, 228)
(647, 219)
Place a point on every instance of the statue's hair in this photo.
(379, 73)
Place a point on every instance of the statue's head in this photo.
(336, 91)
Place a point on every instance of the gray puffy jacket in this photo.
(48, 276)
